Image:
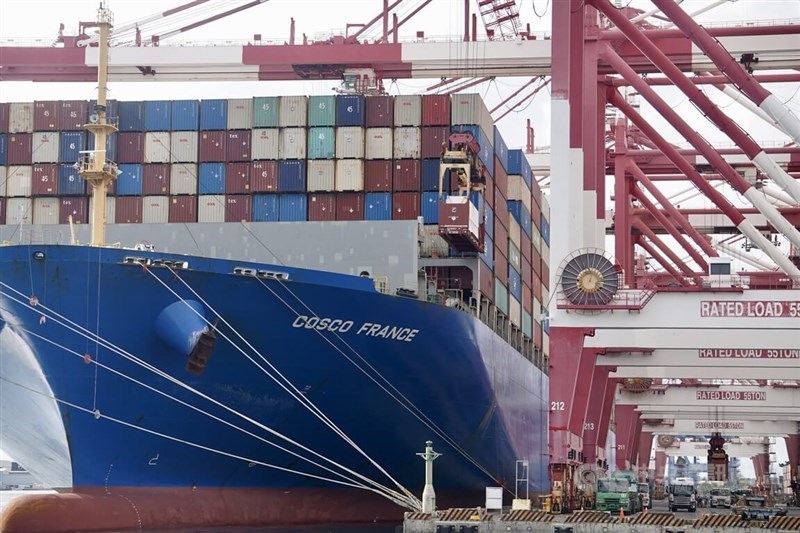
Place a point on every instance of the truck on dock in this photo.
(682, 494)
(619, 491)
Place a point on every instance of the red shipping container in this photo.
(237, 208)
(407, 175)
(500, 239)
(350, 206)
(183, 209)
(500, 211)
(73, 114)
(459, 278)
(377, 174)
(527, 298)
(111, 188)
(486, 281)
(537, 335)
(536, 192)
(4, 118)
(500, 178)
(536, 264)
(537, 290)
(128, 210)
(263, 176)
(237, 178)
(545, 275)
(75, 206)
(500, 267)
(238, 145)
(405, 205)
(536, 217)
(45, 116)
(379, 111)
(321, 207)
(130, 147)
(20, 146)
(155, 179)
(525, 246)
(432, 139)
(2, 211)
(435, 110)
(45, 180)
(527, 272)
(488, 192)
(212, 146)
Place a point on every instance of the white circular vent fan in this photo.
(589, 277)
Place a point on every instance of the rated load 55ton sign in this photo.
(756, 309)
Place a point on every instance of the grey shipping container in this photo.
(471, 109)
(379, 143)
(240, 113)
(293, 143)
(293, 113)
(320, 175)
(183, 147)
(19, 181)
(156, 147)
(408, 110)
(20, 118)
(265, 144)
(46, 210)
(45, 147)
(19, 211)
(349, 175)
(183, 178)
(155, 209)
(407, 143)
(350, 142)
(2, 184)
(211, 208)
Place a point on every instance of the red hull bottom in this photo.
(137, 509)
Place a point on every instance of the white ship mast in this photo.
(95, 168)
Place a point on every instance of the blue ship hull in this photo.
(390, 372)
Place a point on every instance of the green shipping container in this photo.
(321, 143)
(500, 296)
(527, 324)
(322, 111)
(265, 111)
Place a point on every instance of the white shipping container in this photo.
(293, 112)
(471, 109)
(537, 310)
(183, 147)
(545, 207)
(156, 147)
(46, 210)
(320, 175)
(3, 180)
(514, 256)
(349, 175)
(183, 178)
(514, 311)
(211, 208)
(545, 253)
(536, 238)
(514, 231)
(155, 209)
(518, 190)
(19, 211)
(293, 143)
(433, 245)
(240, 113)
(408, 110)
(265, 144)
(20, 117)
(379, 143)
(44, 148)
(407, 143)
(350, 142)
(19, 181)
(545, 342)
(111, 209)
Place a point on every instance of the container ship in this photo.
(294, 311)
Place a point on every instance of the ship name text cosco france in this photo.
(368, 329)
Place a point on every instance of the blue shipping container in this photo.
(486, 154)
(213, 114)
(71, 144)
(488, 256)
(157, 115)
(545, 231)
(430, 176)
(69, 182)
(488, 217)
(349, 110)
(518, 164)
(429, 208)
(545, 321)
(500, 148)
(378, 206)
(321, 143)
(131, 116)
(211, 178)
(3, 148)
(521, 215)
(111, 146)
(185, 115)
(514, 283)
(292, 177)
(112, 111)
(292, 207)
(129, 182)
(322, 110)
(265, 208)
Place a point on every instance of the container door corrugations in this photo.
(3, 128)
(321, 143)
(514, 231)
(293, 143)
(527, 324)
(321, 175)
(19, 181)
(350, 142)
(240, 113)
(293, 207)
(435, 110)
(130, 147)
(350, 206)
(378, 176)
(213, 115)
(433, 138)
(44, 180)
(430, 175)
(527, 275)
(20, 118)
(211, 179)
(264, 176)
(185, 115)
(407, 175)
(238, 208)
(212, 146)
(183, 146)
(238, 145)
(322, 111)
(20, 148)
(45, 116)
(211, 208)
(405, 205)
(77, 208)
(183, 178)
(4, 149)
(500, 295)
(407, 142)
(70, 146)
(44, 147)
(155, 179)
(379, 143)
(265, 208)
(265, 111)
(131, 116)
(514, 257)
(487, 256)
(430, 207)
(265, 144)
(128, 210)
(156, 147)
(2, 210)
(321, 207)
(292, 176)
(486, 281)
(129, 182)
(525, 246)
(350, 110)
(408, 110)
(379, 111)
(500, 240)
(157, 115)
(73, 114)
(349, 175)
(155, 209)
(3, 182)
(500, 149)
(237, 178)
(183, 209)
(293, 112)
(378, 206)
(19, 211)
(433, 245)
(69, 182)
(515, 311)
